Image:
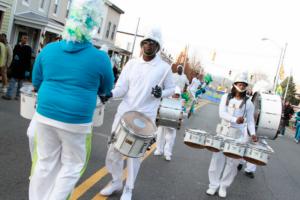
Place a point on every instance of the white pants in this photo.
(30, 134)
(249, 166)
(220, 163)
(61, 159)
(115, 163)
(165, 140)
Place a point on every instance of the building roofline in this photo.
(114, 7)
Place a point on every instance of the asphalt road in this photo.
(185, 177)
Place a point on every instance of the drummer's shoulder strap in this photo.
(244, 101)
(230, 96)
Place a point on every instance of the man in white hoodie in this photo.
(138, 84)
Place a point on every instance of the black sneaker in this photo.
(249, 174)
(239, 167)
(16, 98)
(6, 97)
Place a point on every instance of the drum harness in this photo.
(245, 99)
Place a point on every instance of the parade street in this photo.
(185, 177)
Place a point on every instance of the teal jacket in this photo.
(68, 77)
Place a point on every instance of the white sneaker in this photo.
(211, 191)
(168, 158)
(127, 194)
(157, 153)
(222, 192)
(114, 186)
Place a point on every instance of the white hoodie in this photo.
(136, 82)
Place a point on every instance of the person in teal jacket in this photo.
(68, 75)
(297, 134)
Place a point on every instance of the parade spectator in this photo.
(9, 56)
(288, 112)
(20, 67)
(67, 75)
(297, 133)
(3, 56)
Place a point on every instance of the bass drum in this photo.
(267, 114)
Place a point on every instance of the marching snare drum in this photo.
(134, 134)
(28, 101)
(234, 149)
(170, 113)
(257, 153)
(268, 109)
(98, 114)
(214, 143)
(195, 138)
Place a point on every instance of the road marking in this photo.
(100, 134)
(92, 180)
(200, 104)
(148, 153)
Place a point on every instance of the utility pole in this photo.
(287, 85)
(135, 35)
(281, 59)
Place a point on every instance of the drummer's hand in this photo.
(254, 138)
(156, 92)
(240, 120)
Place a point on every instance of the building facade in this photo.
(41, 20)
(6, 15)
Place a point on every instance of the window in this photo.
(108, 30)
(100, 26)
(68, 8)
(56, 2)
(1, 18)
(42, 4)
(113, 32)
(25, 2)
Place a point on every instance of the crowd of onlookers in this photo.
(15, 66)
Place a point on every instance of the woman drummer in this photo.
(235, 111)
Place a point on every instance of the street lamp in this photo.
(280, 62)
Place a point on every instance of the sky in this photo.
(232, 28)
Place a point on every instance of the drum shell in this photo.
(214, 143)
(170, 113)
(255, 155)
(28, 104)
(233, 149)
(194, 139)
(98, 115)
(268, 109)
(130, 145)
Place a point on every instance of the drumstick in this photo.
(164, 77)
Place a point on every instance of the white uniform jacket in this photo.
(136, 82)
(231, 112)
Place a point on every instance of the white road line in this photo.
(101, 134)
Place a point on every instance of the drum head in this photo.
(138, 124)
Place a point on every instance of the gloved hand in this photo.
(156, 92)
(105, 98)
(203, 90)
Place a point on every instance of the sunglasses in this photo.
(149, 42)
